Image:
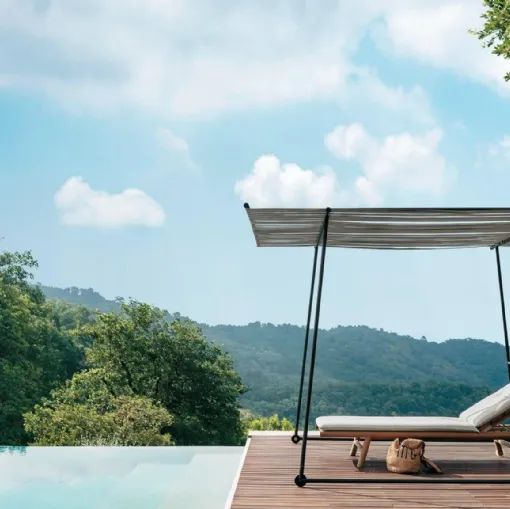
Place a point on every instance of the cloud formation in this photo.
(80, 205)
(392, 168)
(189, 58)
(435, 32)
(396, 164)
(272, 184)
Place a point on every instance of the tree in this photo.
(68, 316)
(495, 33)
(173, 365)
(85, 412)
(86, 297)
(35, 356)
(16, 270)
(68, 319)
(258, 423)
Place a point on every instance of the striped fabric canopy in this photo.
(382, 228)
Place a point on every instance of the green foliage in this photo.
(35, 356)
(259, 423)
(172, 364)
(400, 374)
(147, 379)
(85, 412)
(269, 356)
(340, 398)
(495, 33)
(265, 351)
(70, 317)
(81, 296)
(16, 270)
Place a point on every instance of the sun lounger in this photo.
(480, 422)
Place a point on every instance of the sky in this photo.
(132, 132)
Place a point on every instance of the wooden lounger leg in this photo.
(498, 445)
(354, 447)
(364, 452)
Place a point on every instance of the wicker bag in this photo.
(408, 457)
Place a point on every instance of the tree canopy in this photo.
(401, 374)
(35, 355)
(72, 375)
(85, 411)
(253, 422)
(127, 373)
(495, 33)
(173, 364)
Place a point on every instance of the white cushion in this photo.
(488, 408)
(382, 423)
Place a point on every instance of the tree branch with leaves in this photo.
(495, 33)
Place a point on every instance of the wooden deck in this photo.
(267, 477)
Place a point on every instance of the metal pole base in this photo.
(300, 481)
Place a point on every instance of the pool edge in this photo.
(233, 489)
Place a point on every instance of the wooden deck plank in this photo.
(271, 463)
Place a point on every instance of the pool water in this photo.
(117, 477)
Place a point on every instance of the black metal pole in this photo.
(503, 311)
(296, 438)
(411, 480)
(300, 479)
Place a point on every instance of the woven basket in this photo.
(405, 457)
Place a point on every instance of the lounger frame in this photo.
(492, 431)
(286, 236)
(362, 439)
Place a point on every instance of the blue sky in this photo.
(132, 133)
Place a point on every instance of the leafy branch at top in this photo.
(495, 33)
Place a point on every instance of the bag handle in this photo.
(430, 465)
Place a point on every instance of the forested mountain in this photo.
(266, 349)
(359, 369)
(87, 297)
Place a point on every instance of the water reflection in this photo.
(22, 450)
(116, 477)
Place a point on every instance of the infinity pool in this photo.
(117, 477)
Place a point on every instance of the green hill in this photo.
(87, 297)
(359, 369)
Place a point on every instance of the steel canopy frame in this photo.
(301, 480)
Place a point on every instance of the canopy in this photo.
(374, 228)
(382, 228)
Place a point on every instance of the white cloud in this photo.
(435, 32)
(347, 141)
(410, 103)
(196, 58)
(80, 205)
(177, 145)
(395, 165)
(273, 184)
(395, 168)
(193, 57)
